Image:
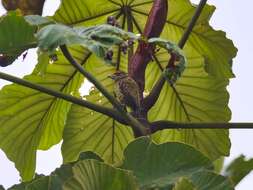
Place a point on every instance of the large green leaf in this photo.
(238, 169)
(54, 181)
(46, 183)
(57, 178)
(94, 175)
(98, 39)
(30, 120)
(23, 185)
(199, 181)
(16, 36)
(197, 96)
(210, 180)
(178, 161)
(87, 130)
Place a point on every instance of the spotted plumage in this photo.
(126, 90)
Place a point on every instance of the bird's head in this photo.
(118, 75)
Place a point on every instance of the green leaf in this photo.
(51, 182)
(178, 161)
(31, 120)
(23, 185)
(89, 155)
(143, 157)
(212, 142)
(218, 165)
(98, 39)
(97, 132)
(54, 35)
(210, 180)
(173, 72)
(94, 175)
(58, 177)
(38, 20)
(13, 43)
(43, 60)
(1, 187)
(238, 169)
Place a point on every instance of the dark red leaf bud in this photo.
(24, 55)
(112, 21)
(124, 47)
(53, 57)
(109, 55)
(130, 42)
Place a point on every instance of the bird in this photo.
(126, 90)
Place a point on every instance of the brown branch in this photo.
(152, 98)
(162, 125)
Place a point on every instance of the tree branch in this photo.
(162, 125)
(152, 98)
(100, 109)
(138, 128)
(192, 23)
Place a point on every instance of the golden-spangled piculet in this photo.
(126, 90)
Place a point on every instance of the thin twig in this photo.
(192, 23)
(162, 125)
(100, 109)
(137, 126)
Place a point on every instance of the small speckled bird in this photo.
(126, 90)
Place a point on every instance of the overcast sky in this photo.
(234, 17)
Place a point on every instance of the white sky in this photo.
(235, 17)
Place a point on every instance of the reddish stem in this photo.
(143, 55)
